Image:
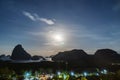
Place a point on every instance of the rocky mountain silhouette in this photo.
(102, 57)
(107, 56)
(70, 55)
(106, 52)
(74, 57)
(20, 54)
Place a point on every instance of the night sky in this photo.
(45, 27)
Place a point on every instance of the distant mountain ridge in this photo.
(102, 57)
(75, 57)
(108, 56)
(69, 54)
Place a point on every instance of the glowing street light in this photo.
(97, 74)
(72, 73)
(85, 74)
(58, 73)
(27, 74)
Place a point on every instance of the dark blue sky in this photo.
(81, 24)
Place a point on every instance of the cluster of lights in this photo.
(60, 75)
(104, 71)
(63, 75)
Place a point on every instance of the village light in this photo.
(85, 74)
(58, 73)
(72, 73)
(27, 74)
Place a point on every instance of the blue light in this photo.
(27, 74)
(58, 73)
(85, 73)
(72, 73)
(97, 74)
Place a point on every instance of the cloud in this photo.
(47, 21)
(35, 17)
(29, 15)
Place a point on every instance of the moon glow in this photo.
(57, 38)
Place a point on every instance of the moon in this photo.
(58, 37)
